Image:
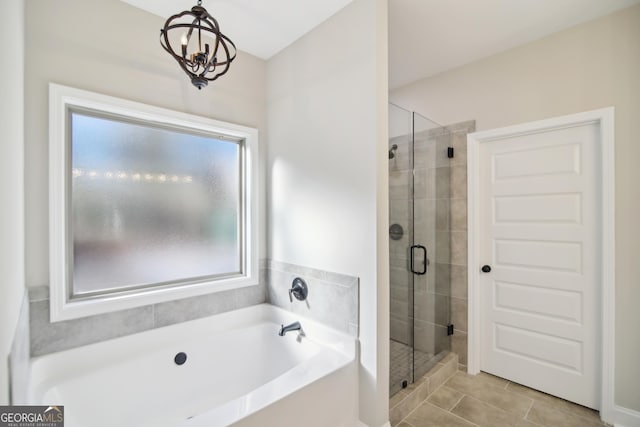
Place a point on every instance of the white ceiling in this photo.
(259, 27)
(426, 37)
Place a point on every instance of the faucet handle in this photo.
(298, 289)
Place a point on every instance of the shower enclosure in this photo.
(419, 245)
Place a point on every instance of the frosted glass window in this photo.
(151, 205)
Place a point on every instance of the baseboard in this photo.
(625, 417)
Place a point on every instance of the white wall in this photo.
(110, 47)
(327, 167)
(590, 66)
(11, 180)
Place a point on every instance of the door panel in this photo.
(544, 255)
(540, 301)
(550, 208)
(537, 161)
(539, 216)
(540, 348)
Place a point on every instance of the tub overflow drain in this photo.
(180, 358)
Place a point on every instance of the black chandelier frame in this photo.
(206, 64)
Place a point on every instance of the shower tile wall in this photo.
(431, 195)
(457, 266)
(400, 207)
(430, 205)
(441, 226)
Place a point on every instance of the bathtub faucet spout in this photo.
(295, 326)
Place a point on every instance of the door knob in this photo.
(486, 268)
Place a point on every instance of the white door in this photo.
(540, 234)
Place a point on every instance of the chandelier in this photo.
(204, 53)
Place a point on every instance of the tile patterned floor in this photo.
(407, 400)
(486, 400)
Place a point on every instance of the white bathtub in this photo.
(238, 372)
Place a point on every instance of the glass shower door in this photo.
(400, 239)
(419, 245)
(431, 244)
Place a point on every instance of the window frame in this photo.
(63, 100)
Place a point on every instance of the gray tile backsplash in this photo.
(333, 298)
(40, 293)
(183, 310)
(19, 368)
(46, 337)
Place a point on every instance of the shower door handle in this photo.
(424, 263)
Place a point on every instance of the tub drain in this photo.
(180, 358)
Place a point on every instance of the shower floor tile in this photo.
(401, 366)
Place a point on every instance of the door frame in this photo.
(605, 119)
